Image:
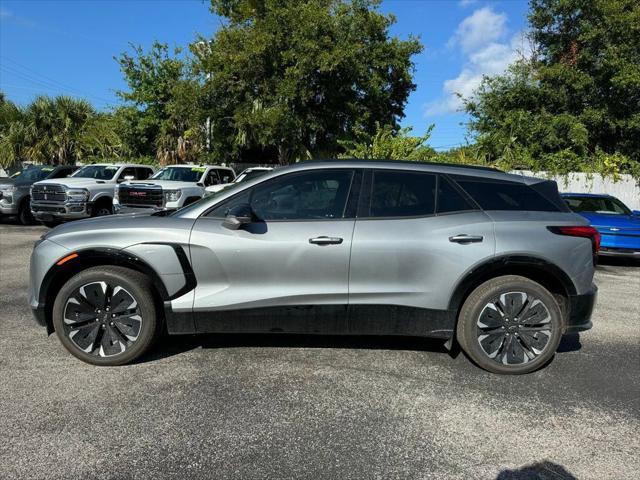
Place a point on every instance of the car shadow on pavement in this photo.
(604, 262)
(569, 343)
(537, 471)
(171, 345)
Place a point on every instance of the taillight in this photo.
(586, 231)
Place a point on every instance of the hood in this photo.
(218, 188)
(7, 181)
(607, 224)
(120, 231)
(74, 182)
(165, 184)
(610, 220)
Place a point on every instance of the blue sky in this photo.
(67, 47)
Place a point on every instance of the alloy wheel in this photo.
(102, 319)
(514, 328)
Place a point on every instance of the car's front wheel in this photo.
(106, 315)
(510, 325)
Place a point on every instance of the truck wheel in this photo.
(510, 325)
(24, 212)
(106, 315)
(102, 208)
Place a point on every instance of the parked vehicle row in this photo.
(55, 194)
(496, 262)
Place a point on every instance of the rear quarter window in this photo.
(501, 195)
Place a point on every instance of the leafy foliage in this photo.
(161, 117)
(575, 104)
(55, 130)
(388, 144)
(291, 79)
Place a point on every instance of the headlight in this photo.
(172, 195)
(78, 194)
(8, 190)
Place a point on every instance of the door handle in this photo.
(325, 240)
(464, 238)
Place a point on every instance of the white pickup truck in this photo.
(89, 192)
(172, 187)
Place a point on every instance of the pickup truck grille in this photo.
(140, 195)
(49, 193)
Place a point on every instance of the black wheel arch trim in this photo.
(91, 257)
(494, 266)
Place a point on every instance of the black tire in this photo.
(102, 208)
(510, 325)
(24, 212)
(101, 338)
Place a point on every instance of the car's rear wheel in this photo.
(510, 325)
(106, 315)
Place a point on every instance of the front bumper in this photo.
(61, 211)
(117, 208)
(8, 208)
(580, 311)
(619, 252)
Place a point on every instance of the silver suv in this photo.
(493, 261)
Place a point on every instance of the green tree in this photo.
(56, 131)
(291, 79)
(388, 144)
(160, 117)
(575, 103)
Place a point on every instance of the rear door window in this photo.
(500, 195)
(450, 199)
(402, 194)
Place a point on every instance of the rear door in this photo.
(416, 234)
(294, 254)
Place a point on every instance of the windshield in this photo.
(99, 172)
(246, 176)
(608, 205)
(180, 174)
(34, 174)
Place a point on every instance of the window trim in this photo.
(353, 171)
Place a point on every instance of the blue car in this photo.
(618, 225)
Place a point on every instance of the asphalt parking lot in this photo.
(309, 407)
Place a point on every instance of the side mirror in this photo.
(238, 216)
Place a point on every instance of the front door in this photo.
(286, 269)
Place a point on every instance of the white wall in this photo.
(626, 189)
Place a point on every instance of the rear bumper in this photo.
(580, 310)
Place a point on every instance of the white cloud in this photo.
(482, 26)
(466, 3)
(481, 39)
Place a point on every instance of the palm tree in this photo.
(56, 131)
